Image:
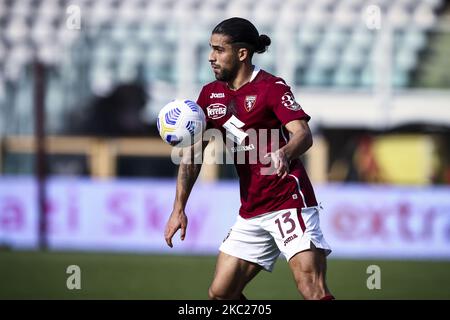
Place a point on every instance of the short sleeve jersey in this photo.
(251, 120)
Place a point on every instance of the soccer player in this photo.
(279, 212)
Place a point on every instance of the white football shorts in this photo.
(261, 239)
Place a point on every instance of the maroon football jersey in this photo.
(266, 102)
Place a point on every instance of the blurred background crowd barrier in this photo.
(130, 216)
(372, 74)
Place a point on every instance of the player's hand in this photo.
(177, 220)
(280, 162)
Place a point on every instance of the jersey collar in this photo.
(254, 73)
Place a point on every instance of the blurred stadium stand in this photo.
(317, 45)
(376, 84)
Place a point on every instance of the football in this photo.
(181, 123)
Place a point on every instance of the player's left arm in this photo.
(299, 142)
(295, 120)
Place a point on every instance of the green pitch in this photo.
(36, 275)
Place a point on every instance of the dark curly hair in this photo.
(243, 33)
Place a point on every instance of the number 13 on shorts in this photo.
(295, 229)
(284, 221)
(286, 226)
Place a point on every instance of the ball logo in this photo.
(216, 110)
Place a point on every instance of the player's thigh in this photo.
(309, 263)
(298, 235)
(231, 276)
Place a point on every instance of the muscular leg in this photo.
(231, 276)
(309, 270)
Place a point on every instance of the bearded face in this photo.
(223, 58)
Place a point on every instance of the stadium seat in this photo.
(54, 103)
(129, 11)
(131, 54)
(317, 16)
(414, 39)
(424, 17)
(3, 52)
(290, 16)
(21, 120)
(49, 54)
(100, 13)
(158, 13)
(433, 4)
(316, 77)
(49, 10)
(126, 72)
(309, 37)
(353, 58)
(303, 59)
(334, 39)
(184, 9)
(367, 76)
(42, 31)
(19, 9)
(120, 33)
(266, 61)
(2, 102)
(325, 58)
(205, 74)
(103, 53)
(405, 60)
(208, 13)
(66, 38)
(362, 38)
(345, 77)
(400, 78)
(171, 33)
(4, 9)
(19, 56)
(265, 14)
(145, 33)
(16, 30)
(101, 80)
(343, 17)
(398, 16)
(238, 9)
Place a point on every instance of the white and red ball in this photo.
(181, 123)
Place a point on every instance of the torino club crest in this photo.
(250, 102)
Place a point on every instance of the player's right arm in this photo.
(188, 171)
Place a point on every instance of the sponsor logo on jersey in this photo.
(216, 110)
(217, 95)
(288, 101)
(290, 238)
(250, 102)
(243, 148)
